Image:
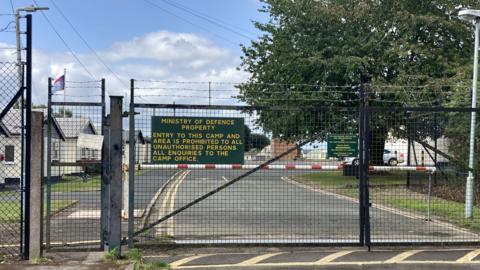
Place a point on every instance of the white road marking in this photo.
(225, 178)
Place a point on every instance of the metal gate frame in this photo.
(50, 162)
(365, 112)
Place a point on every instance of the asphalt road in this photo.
(267, 207)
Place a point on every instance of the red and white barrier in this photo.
(316, 167)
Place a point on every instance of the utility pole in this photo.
(472, 16)
(18, 39)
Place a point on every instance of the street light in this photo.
(472, 16)
(17, 31)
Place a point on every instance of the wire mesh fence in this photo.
(311, 191)
(422, 205)
(12, 141)
(73, 172)
(282, 204)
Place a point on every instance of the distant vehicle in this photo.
(389, 158)
(2, 171)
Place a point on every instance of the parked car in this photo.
(391, 158)
(2, 171)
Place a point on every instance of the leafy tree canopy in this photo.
(318, 52)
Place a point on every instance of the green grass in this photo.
(336, 179)
(452, 212)
(133, 256)
(10, 211)
(75, 184)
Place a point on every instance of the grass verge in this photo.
(133, 256)
(76, 184)
(10, 211)
(389, 190)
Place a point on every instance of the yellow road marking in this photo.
(333, 256)
(257, 259)
(172, 203)
(166, 199)
(187, 260)
(402, 256)
(469, 256)
(299, 264)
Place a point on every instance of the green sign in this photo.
(342, 145)
(197, 140)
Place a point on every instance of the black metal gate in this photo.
(395, 190)
(74, 190)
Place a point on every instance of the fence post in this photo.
(28, 136)
(131, 164)
(363, 170)
(35, 208)
(115, 176)
(105, 172)
(49, 166)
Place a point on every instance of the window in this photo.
(9, 153)
(55, 151)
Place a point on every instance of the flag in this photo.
(58, 84)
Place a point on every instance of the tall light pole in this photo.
(472, 16)
(17, 32)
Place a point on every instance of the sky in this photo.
(154, 40)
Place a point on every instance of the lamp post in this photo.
(29, 9)
(472, 16)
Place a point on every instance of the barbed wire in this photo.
(84, 82)
(300, 84)
(61, 95)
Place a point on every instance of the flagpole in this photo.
(64, 89)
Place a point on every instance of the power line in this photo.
(205, 17)
(88, 45)
(64, 42)
(189, 22)
(11, 5)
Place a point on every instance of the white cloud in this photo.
(154, 56)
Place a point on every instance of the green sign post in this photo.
(197, 140)
(342, 145)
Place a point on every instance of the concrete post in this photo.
(125, 191)
(36, 230)
(115, 183)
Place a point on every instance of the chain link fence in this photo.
(12, 141)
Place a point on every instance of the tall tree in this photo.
(318, 53)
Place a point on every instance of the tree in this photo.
(259, 141)
(247, 140)
(319, 52)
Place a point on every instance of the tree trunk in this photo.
(376, 145)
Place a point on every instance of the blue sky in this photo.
(139, 40)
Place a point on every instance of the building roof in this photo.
(11, 123)
(138, 136)
(72, 126)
